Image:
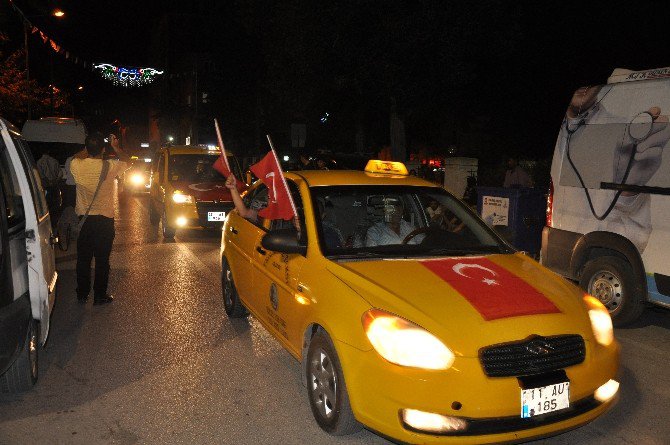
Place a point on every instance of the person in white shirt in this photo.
(393, 230)
(70, 195)
(51, 175)
(96, 235)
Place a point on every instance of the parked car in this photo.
(438, 332)
(27, 263)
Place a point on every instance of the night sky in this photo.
(458, 70)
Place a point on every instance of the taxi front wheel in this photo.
(231, 300)
(168, 231)
(326, 388)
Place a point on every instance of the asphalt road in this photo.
(163, 364)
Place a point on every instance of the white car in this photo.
(27, 263)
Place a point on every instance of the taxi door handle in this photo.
(234, 230)
(260, 250)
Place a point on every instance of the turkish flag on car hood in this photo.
(279, 203)
(494, 291)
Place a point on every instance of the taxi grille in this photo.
(212, 206)
(533, 356)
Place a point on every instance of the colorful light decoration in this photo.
(127, 77)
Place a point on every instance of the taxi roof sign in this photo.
(386, 167)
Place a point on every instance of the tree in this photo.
(18, 95)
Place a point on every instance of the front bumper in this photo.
(491, 407)
(194, 216)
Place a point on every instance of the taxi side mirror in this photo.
(283, 241)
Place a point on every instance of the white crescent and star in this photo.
(459, 268)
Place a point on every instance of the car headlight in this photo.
(404, 343)
(181, 198)
(601, 322)
(137, 179)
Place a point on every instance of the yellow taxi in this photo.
(414, 319)
(186, 192)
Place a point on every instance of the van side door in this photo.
(39, 236)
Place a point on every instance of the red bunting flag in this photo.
(280, 203)
(492, 290)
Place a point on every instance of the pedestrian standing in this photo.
(95, 207)
(515, 176)
(51, 175)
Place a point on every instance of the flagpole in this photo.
(281, 173)
(223, 148)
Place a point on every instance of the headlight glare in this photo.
(404, 343)
(137, 178)
(181, 198)
(601, 322)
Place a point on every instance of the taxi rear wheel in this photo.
(231, 300)
(611, 280)
(326, 388)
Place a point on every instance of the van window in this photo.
(11, 191)
(33, 176)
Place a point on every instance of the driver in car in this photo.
(393, 230)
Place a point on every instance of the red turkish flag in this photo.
(221, 166)
(494, 291)
(279, 203)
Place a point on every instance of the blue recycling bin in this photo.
(518, 214)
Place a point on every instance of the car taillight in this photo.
(550, 203)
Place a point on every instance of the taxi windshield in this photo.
(391, 221)
(197, 167)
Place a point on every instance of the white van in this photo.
(60, 136)
(608, 209)
(27, 263)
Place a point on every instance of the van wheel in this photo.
(231, 299)
(327, 392)
(154, 219)
(22, 375)
(168, 231)
(610, 280)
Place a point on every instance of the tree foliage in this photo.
(18, 95)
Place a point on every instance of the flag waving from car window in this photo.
(280, 202)
(221, 165)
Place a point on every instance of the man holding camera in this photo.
(95, 208)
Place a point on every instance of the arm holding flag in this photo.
(242, 209)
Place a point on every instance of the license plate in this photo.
(536, 401)
(216, 216)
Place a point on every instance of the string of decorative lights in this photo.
(118, 75)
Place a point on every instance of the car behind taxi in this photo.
(186, 191)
